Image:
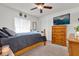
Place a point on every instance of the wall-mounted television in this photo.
(62, 20)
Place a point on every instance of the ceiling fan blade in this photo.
(39, 3)
(41, 11)
(33, 8)
(48, 7)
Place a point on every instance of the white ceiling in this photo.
(25, 7)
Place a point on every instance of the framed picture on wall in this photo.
(62, 19)
(34, 25)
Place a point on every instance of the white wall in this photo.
(7, 16)
(47, 21)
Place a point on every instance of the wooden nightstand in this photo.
(73, 47)
(6, 51)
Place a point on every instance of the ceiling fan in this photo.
(41, 6)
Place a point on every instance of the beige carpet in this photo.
(48, 50)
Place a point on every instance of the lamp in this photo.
(20, 14)
(5, 50)
(25, 15)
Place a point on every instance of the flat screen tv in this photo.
(62, 20)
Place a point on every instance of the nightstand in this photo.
(6, 51)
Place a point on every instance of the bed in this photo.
(24, 42)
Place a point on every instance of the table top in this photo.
(74, 40)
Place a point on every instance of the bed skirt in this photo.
(26, 49)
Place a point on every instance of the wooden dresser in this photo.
(59, 35)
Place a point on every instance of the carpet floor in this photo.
(48, 50)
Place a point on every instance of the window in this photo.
(22, 25)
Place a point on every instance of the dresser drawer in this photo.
(58, 31)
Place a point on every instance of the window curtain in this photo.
(22, 25)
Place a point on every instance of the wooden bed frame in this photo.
(26, 49)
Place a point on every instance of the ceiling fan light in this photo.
(39, 6)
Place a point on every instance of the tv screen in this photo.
(61, 20)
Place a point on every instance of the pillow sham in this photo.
(9, 32)
(3, 35)
(5, 32)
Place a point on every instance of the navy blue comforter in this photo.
(22, 40)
